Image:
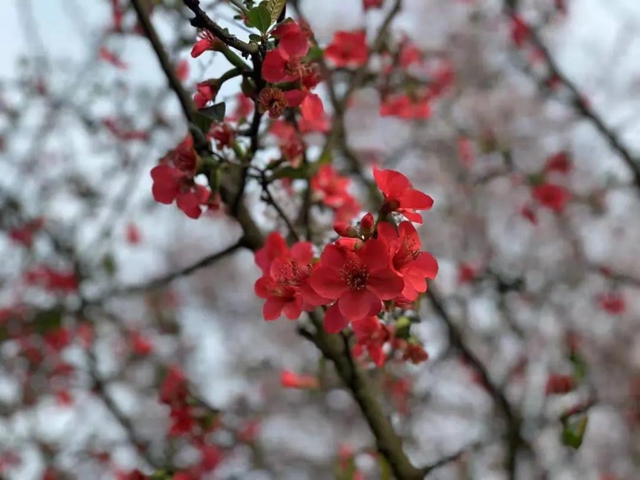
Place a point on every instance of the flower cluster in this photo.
(291, 75)
(173, 180)
(377, 266)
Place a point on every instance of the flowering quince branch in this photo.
(379, 265)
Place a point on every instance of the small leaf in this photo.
(260, 17)
(255, 38)
(315, 54)
(574, 430)
(276, 7)
(206, 116)
(109, 264)
(47, 320)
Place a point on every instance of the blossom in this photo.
(358, 282)
(348, 49)
(174, 387)
(330, 186)
(560, 162)
(182, 70)
(284, 284)
(406, 108)
(368, 4)
(552, 196)
(206, 41)
(466, 273)
(371, 335)
(171, 184)
(612, 302)
(400, 196)
(559, 384)
(413, 265)
(289, 379)
(205, 92)
(133, 234)
(60, 281)
(520, 31)
(110, 57)
(285, 63)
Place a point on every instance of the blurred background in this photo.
(531, 151)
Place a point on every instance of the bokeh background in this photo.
(523, 294)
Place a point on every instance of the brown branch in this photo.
(332, 346)
(169, 71)
(513, 422)
(166, 279)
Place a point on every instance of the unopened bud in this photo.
(367, 225)
(345, 230)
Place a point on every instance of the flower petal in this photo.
(357, 304)
(334, 321)
(327, 283)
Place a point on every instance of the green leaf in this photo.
(109, 264)
(255, 38)
(290, 172)
(276, 7)
(206, 116)
(574, 430)
(260, 17)
(315, 54)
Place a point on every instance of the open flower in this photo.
(358, 281)
(400, 196)
(407, 260)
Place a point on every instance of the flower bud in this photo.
(345, 230)
(367, 225)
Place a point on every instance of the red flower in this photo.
(413, 265)
(466, 273)
(612, 302)
(284, 284)
(223, 134)
(171, 184)
(206, 92)
(289, 379)
(559, 384)
(140, 344)
(560, 162)
(182, 421)
(414, 353)
(133, 234)
(519, 30)
(110, 57)
(400, 196)
(529, 213)
(348, 49)
(409, 54)
(206, 41)
(285, 63)
(312, 108)
(331, 186)
(367, 4)
(275, 246)
(371, 334)
(404, 107)
(358, 281)
(552, 196)
(24, 233)
(174, 387)
(182, 70)
(52, 280)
